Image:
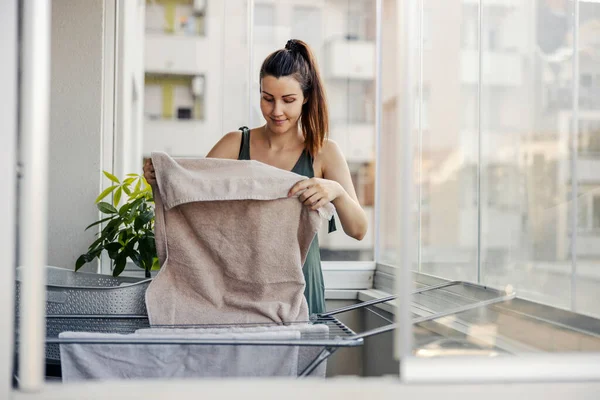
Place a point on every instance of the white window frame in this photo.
(8, 164)
(109, 104)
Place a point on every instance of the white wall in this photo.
(75, 127)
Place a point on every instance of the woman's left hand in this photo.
(317, 192)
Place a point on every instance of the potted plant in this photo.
(128, 232)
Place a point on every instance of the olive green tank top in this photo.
(315, 287)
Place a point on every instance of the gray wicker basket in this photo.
(101, 297)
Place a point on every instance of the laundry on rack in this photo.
(85, 361)
(230, 242)
(306, 354)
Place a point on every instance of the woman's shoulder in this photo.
(329, 150)
(227, 147)
(232, 136)
(329, 156)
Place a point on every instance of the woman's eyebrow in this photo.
(285, 95)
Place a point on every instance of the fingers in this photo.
(312, 193)
(148, 166)
(309, 197)
(313, 198)
(319, 204)
(302, 185)
(149, 173)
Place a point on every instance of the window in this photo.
(496, 164)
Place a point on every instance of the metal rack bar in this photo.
(386, 299)
(451, 311)
(216, 342)
(96, 316)
(323, 355)
(332, 338)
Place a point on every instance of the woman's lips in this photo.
(278, 121)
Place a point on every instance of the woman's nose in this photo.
(277, 108)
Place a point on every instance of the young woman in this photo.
(295, 139)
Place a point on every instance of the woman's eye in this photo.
(269, 100)
(290, 101)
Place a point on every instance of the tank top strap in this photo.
(244, 153)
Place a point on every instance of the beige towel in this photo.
(230, 242)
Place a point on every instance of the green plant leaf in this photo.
(105, 193)
(127, 190)
(85, 258)
(147, 250)
(106, 208)
(150, 245)
(155, 264)
(135, 257)
(97, 222)
(96, 243)
(120, 263)
(95, 253)
(145, 217)
(115, 223)
(123, 237)
(110, 230)
(113, 249)
(80, 262)
(117, 196)
(111, 177)
(136, 203)
(138, 186)
(133, 175)
(124, 208)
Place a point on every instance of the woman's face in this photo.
(281, 102)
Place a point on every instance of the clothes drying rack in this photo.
(338, 336)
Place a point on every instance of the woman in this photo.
(294, 139)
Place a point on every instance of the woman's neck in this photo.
(282, 141)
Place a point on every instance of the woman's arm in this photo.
(336, 186)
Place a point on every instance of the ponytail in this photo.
(297, 60)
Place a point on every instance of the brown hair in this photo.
(297, 60)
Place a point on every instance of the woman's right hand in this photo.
(149, 172)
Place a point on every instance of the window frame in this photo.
(8, 203)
